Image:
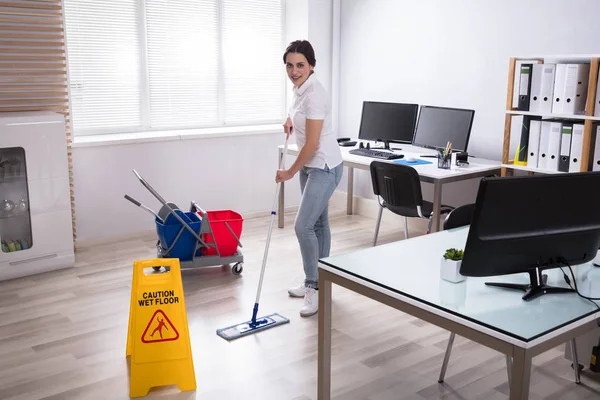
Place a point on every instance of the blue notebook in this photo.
(418, 162)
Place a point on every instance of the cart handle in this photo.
(198, 208)
(137, 203)
(134, 201)
(234, 235)
(164, 203)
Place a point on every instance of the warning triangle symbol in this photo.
(159, 329)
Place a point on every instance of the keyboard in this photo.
(384, 155)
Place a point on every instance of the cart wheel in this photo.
(237, 269)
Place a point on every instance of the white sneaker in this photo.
(311, 303)
(297, 291)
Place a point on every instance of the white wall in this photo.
(193, 169)
(220, 173)
(296, 24)
(320, 15)
(451, 53)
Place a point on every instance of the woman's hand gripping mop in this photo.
(269, 321)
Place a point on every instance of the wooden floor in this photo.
(63, 334)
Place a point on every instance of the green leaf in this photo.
(454, 254)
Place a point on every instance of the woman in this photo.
(319, 164)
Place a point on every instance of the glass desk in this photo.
(406, 275)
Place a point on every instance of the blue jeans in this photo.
(312, 221)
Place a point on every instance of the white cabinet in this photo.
(36, 231)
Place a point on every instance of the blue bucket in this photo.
(185, 244)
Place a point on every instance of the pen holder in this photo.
(443, 162)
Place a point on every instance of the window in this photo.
(141, 65)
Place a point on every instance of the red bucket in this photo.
(225, 241)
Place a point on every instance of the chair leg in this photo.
(406, 227)
(575, 361)
(446, 358)
(429, 225)
(377, 225)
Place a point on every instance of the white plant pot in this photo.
(449, 271)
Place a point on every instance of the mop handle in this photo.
(273, 214)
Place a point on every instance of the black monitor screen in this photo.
(388, 122)
(439, 125)
(531, 223)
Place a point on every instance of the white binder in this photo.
(559, 89)
(533, 146)
(542, 88)
(596, 141)
(554, 146)
(576, 148)
(597, 109)
(544, 144)
(576, 85)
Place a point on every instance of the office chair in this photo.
(398, 189)
(461, 216)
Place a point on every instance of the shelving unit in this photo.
(565, 116)
(588, 119)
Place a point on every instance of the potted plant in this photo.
(450, 268)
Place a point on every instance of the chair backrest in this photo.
(460, 216)
(398, 185)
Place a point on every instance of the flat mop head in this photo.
(248, 327)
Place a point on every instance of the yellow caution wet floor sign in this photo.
(158, 339)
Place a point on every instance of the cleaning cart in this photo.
(196, 237)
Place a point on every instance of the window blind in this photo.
(103, 49)
(140, 65)
(183, 62)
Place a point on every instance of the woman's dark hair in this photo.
(301, 46)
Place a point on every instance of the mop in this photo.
(272, 320)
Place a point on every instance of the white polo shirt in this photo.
(311, 101)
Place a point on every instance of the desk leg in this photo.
(437, 203)
(350, 190)
(324, 357)
(520, 374)
(281, 196)
(508, 367)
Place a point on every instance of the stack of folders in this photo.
(553, 144)
(552, 88)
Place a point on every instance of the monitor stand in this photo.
(535, 288)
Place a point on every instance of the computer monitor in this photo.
(388, 122)
(527, 224)
(437, 126)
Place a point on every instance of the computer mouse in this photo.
(411, 159)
